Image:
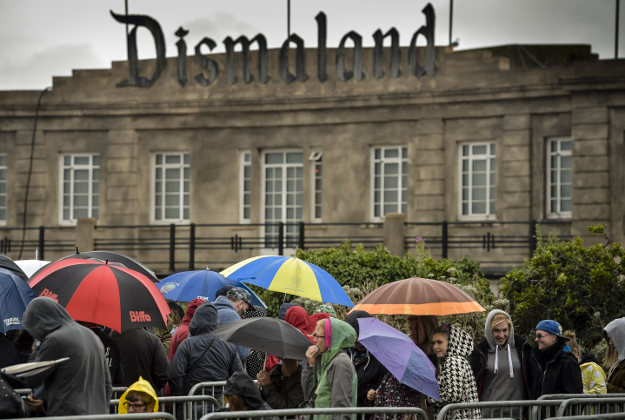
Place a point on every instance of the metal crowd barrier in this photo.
(133, 416)
(354, 413)
(525, 409)
(201, 388)
(591, 406)
(118, 391)
(184, 407)
(606, 416)
(569, 396)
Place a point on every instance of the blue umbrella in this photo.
(15, 295)
(406, 361)
(204, 284)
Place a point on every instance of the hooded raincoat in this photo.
(227, 313)
(333, 377)
(616, 376)
(141, 386)
(202, 357)
(500, 370)
(455, 378)
(80, 385)
(242, 385)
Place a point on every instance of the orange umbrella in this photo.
(417, 296)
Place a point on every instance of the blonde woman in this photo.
(615, 353)
(593, 376)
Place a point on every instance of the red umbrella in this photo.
(104, 293)
(417, 296)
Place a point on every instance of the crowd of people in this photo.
(338, 371)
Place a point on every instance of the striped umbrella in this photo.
(103, 293)
(289, 275)
(417, 296)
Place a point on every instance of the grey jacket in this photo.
(80, 385)
(192, 365)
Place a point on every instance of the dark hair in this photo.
(175, 309)
(444, 329)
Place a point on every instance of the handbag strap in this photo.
(202, 355)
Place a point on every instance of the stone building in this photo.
(468, 157)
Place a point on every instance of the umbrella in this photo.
(8, 263)
(417, 296)
(30, 267)
(269, 335)
(102, 293)
(289, 275)
(406, 361)
(118, 258)
(15, 295)
(203, 284)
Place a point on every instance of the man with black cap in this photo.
(554, 369)
(232, 307)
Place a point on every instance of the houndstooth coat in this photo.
(455, 379)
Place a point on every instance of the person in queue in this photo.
(614, 334)
(232, 307)
(242, 394)
(140, 397)
(282, 387)
(329, 375)
(593, 375)
(79, 385)
(499, 361)
(452, 345)
(553, 369)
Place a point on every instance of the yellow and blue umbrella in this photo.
(289, 275)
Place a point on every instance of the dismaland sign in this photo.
(211, 66)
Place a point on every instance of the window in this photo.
(559, 177)
(245, 186)
(3, 189)
(389, 169)
(317, 173)
(282, 195)
(477, 181)
(171, 187)
(80, 183)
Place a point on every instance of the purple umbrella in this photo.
(399, 354)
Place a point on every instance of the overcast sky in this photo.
(44, 38)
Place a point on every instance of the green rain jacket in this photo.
(333, 378)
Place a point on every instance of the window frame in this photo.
(559, 214)
(490, 213)
(4, 183)
(402, 175)
(284, 165)
(316, 162)
(72, 221)
(181, 207)
(243, 165)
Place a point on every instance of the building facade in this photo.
(468, 157)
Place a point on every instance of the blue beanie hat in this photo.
(552, 327)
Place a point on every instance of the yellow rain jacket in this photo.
(142, 386)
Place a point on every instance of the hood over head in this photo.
(616, 330)
(43, 316)
(204, 320)
(141, 386)
(352, 319)
(314, 318)
(460, 342)
(488, 332)
(242, 385)
(193, 305)
(283, 308)
(298, 317)
(339, 336)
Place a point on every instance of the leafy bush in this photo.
(582, 287)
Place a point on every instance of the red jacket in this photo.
(182, 332)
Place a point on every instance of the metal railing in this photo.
(171, 248)
(184, 407)
(354, 413)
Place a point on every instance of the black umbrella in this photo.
(112, 256)
(269, 335)
(6, 262)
